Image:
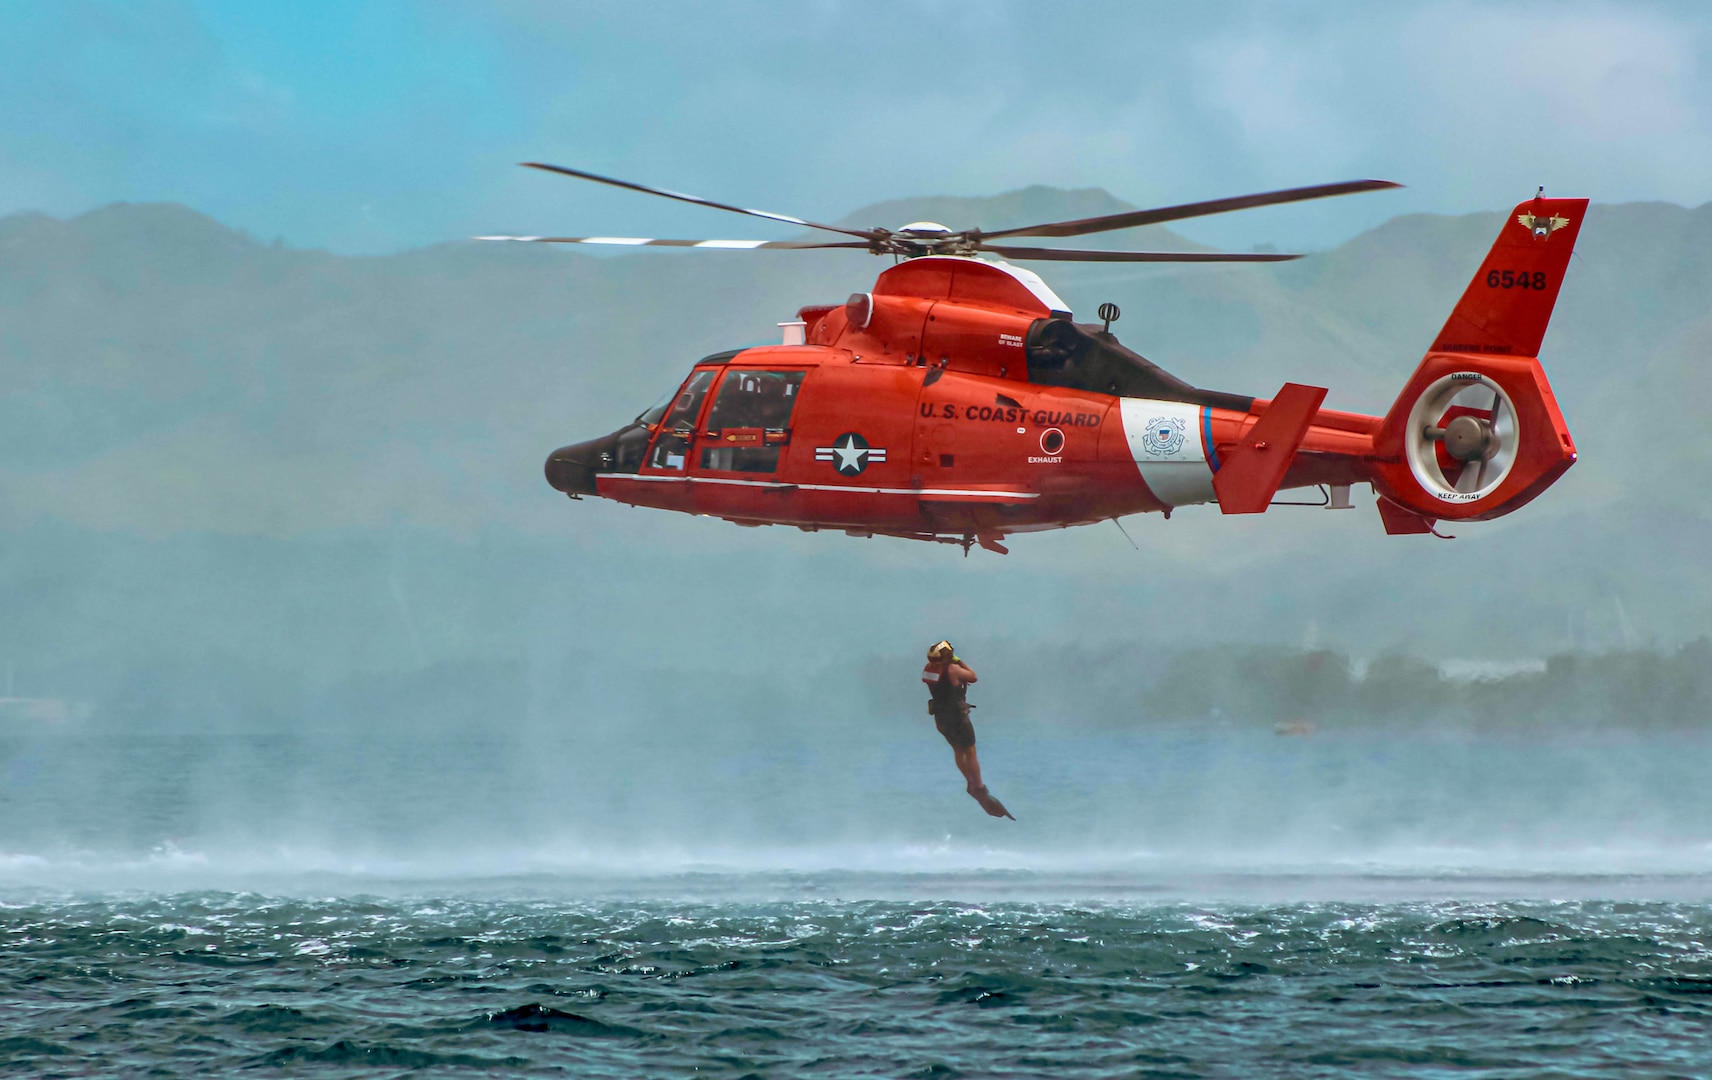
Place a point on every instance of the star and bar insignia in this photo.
(850, 453)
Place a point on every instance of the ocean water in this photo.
(1169, 904)
(666, 984)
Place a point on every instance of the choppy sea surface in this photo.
(1230, 906)
(370, 985)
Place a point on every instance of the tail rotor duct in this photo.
(1462, 437)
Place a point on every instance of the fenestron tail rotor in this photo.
(928, 238)
(1463, 437)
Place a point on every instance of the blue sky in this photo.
(380, 126)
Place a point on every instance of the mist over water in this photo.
(673, 892)
(803, 896)
(1168, 808)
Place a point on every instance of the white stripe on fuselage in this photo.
(1165, 441)
(786, 485)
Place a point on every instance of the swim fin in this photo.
(992, 806)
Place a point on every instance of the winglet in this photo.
(1254, 467)
(1399, 521)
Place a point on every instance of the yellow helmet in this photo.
(940, 651)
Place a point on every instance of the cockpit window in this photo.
(688, 402)
(651, 415)
(750, 421)
(678, 429)
(755, 399)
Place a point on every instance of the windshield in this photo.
(651, 415)
(671, 447)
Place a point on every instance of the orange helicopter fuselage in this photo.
(910, 412)
(959, 402)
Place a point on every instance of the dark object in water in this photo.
(538, 1017)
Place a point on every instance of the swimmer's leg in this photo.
(970, 766)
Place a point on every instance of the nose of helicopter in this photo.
(572, 469)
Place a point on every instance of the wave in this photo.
(886, 870)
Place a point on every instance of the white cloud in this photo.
(1614, 75)
(1282, 96)
(844, 104)
(1605, 99)
(1470, 104)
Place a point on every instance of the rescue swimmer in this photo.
(948, 678)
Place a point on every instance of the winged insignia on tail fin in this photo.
(1542, 225)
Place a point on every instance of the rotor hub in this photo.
(920, 238)
(1469, 438)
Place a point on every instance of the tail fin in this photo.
(1508, 304)
(1476, 432)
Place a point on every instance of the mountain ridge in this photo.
(172, 385)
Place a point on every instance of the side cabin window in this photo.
(677, 430)
(750, 422)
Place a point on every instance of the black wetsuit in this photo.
(950, 707)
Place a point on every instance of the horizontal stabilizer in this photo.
(1253, 469)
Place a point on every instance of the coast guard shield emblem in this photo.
(1164, 436)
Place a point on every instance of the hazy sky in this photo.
(369, 127)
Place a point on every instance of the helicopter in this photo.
(959, 401)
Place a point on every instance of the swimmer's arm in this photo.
(961, 674)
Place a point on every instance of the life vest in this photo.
(939, 684)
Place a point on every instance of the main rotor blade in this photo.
(642, 241)
(1130, 219)
(699, 201)
(1075, 255)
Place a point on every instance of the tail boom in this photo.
(1475, 434)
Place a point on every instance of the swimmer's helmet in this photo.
(941, 651)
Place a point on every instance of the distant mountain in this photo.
(164, 369)
(212, 444)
